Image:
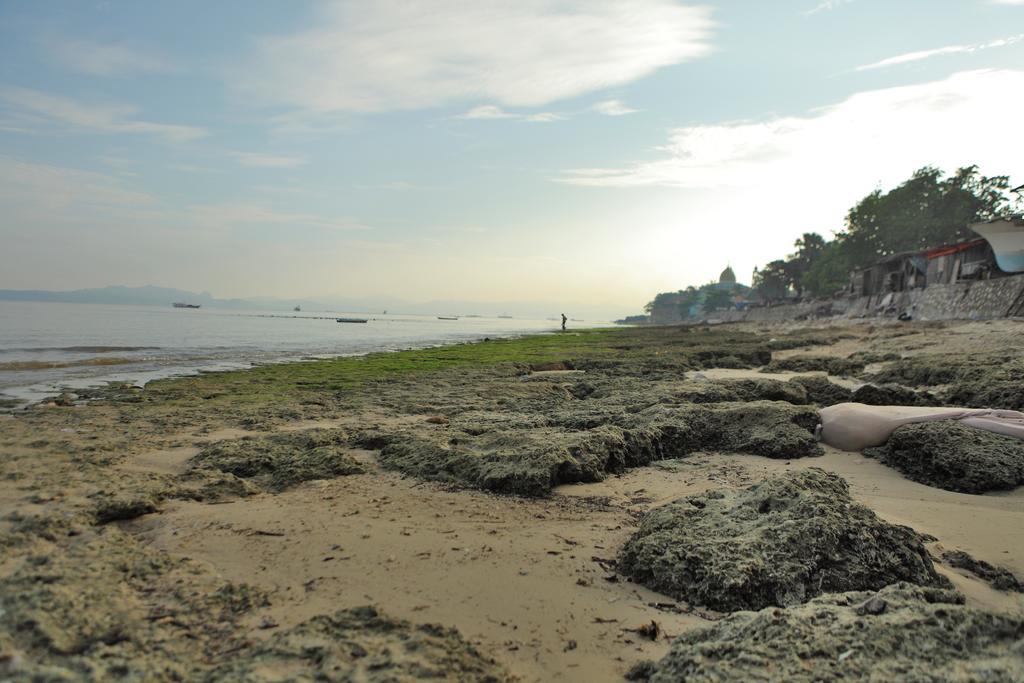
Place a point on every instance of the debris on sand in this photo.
(531, 462)
(778, 543)
(999, 578)
(361, 644)
(280, 461)
(909, 633)
(954, 456)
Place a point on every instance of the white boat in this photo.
(1006, 237)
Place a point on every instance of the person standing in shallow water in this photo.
(563, 322)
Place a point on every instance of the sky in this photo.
(587, 151)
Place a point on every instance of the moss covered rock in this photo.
(892, 395)
(953, 456)
(280, 461)
(532, 461)
(830, 364)
(821, 391)
(778, 543)
(901, 633)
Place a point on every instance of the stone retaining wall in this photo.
(980, 300)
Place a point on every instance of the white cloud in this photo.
(491, 112)
(487, 111)
(1007, 2)
(36, 106)
(827, 5)
(256, 160)
(948, 50)
(378, 55)
(613, 108)
(106, 60)
(544, 117)
(741, 192)
(966, 118)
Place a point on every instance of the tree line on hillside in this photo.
(929, 209)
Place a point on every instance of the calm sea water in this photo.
(48, 347)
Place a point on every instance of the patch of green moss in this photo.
(280, 461)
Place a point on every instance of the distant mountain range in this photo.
(165, 296)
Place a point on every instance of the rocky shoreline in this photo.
(315, 519)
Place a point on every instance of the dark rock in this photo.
(641, 671)
(65, 400)
(780, 542)
(925, 634)
(821, 391)
(117, 507)
(953, 456)
(873, 607)
(999, 578)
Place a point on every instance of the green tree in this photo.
(717, 299)
(809, 249)
(829, 273)
(927, 210)
(772, 281)
(686, 300)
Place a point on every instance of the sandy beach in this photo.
(201, 528)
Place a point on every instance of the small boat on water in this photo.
(179, 304)
(297, 309)
(447, 317)
(352, 320)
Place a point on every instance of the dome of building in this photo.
(727, 276)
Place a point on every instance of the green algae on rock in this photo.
(280, 461)
(981, 380)
(954, 456)
(901, 633)
(892, 395)
(361, 644)
(758, 389)
(532, 461)
(830, 364)
(821, 391)
(778, 543)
